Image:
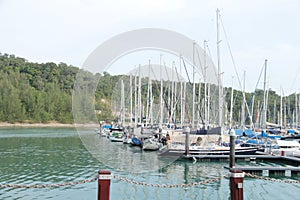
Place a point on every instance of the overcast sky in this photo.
(68, 31)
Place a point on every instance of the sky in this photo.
(252, 31)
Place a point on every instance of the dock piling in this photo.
(236, 184)
(104, 184)
(186, 131)
(232, 149)
(236, 176)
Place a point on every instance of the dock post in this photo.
(104, 185)
(232, 149)
(236, 184)
(236, 176)
(186, 131)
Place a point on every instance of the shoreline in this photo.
(46, 125)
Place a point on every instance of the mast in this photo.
(264, 117)
(140, 96)
(231, 106)
(135, 101)
(274, 112)
(122, 102)
(175, 95)
(169, 100)
(219, 70)
(184, 101)
(130, 88)
(172, 93)
(199, 102)
(205, 89)
(181, 96)
(296, 111)
(280, 108)
(208, 105)
(161, 94)
(193, 106)
(148, 97)
(243, 104)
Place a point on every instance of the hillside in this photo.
(42, 92)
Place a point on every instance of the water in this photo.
(55, 155)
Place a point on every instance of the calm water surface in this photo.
(55, 155)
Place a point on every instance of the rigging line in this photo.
(201, 67)
(254, 93)
(234, 65)
(214, 90)
(216, 74)
(295, 78)
(166, 71)
(186, 71)
(165, 100)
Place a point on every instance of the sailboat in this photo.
(214, 147)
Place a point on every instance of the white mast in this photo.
(151, 101)
(296, 111)
(122, 102)
(205, 89)
(199, 103)
(175, 95)
(130, 87)
(231, 106)
(135, 101)
(169, 100)
(172, 92)
(193, 104)
(219, 72)
(140, 96)
(243, 104)
(252, 112)
(184, 101)
(161, 94)
(280, 108)
(208, 105)
(264, 117)
(274, 112)
(148, 96)
(181, 96)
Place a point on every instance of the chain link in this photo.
(167, 185)
(272, 179)
(142, 183)
(48, 185)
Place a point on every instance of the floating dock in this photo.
(295, 161)
(290, 171)
(268, 170)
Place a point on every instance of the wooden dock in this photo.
(258, 170)
(268, 170)
(257, 157)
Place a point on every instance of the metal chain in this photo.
(142, 183)
(272, 179)
(167, 185)
(48, 185)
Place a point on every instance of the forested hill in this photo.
(34, 92)
(42, 92)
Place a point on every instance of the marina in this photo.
(150, 114)
(57, 156)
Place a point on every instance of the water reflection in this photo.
(30, 159)
(121, 157)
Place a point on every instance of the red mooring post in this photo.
(236, 176)
(236, 184)
(104, 185)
